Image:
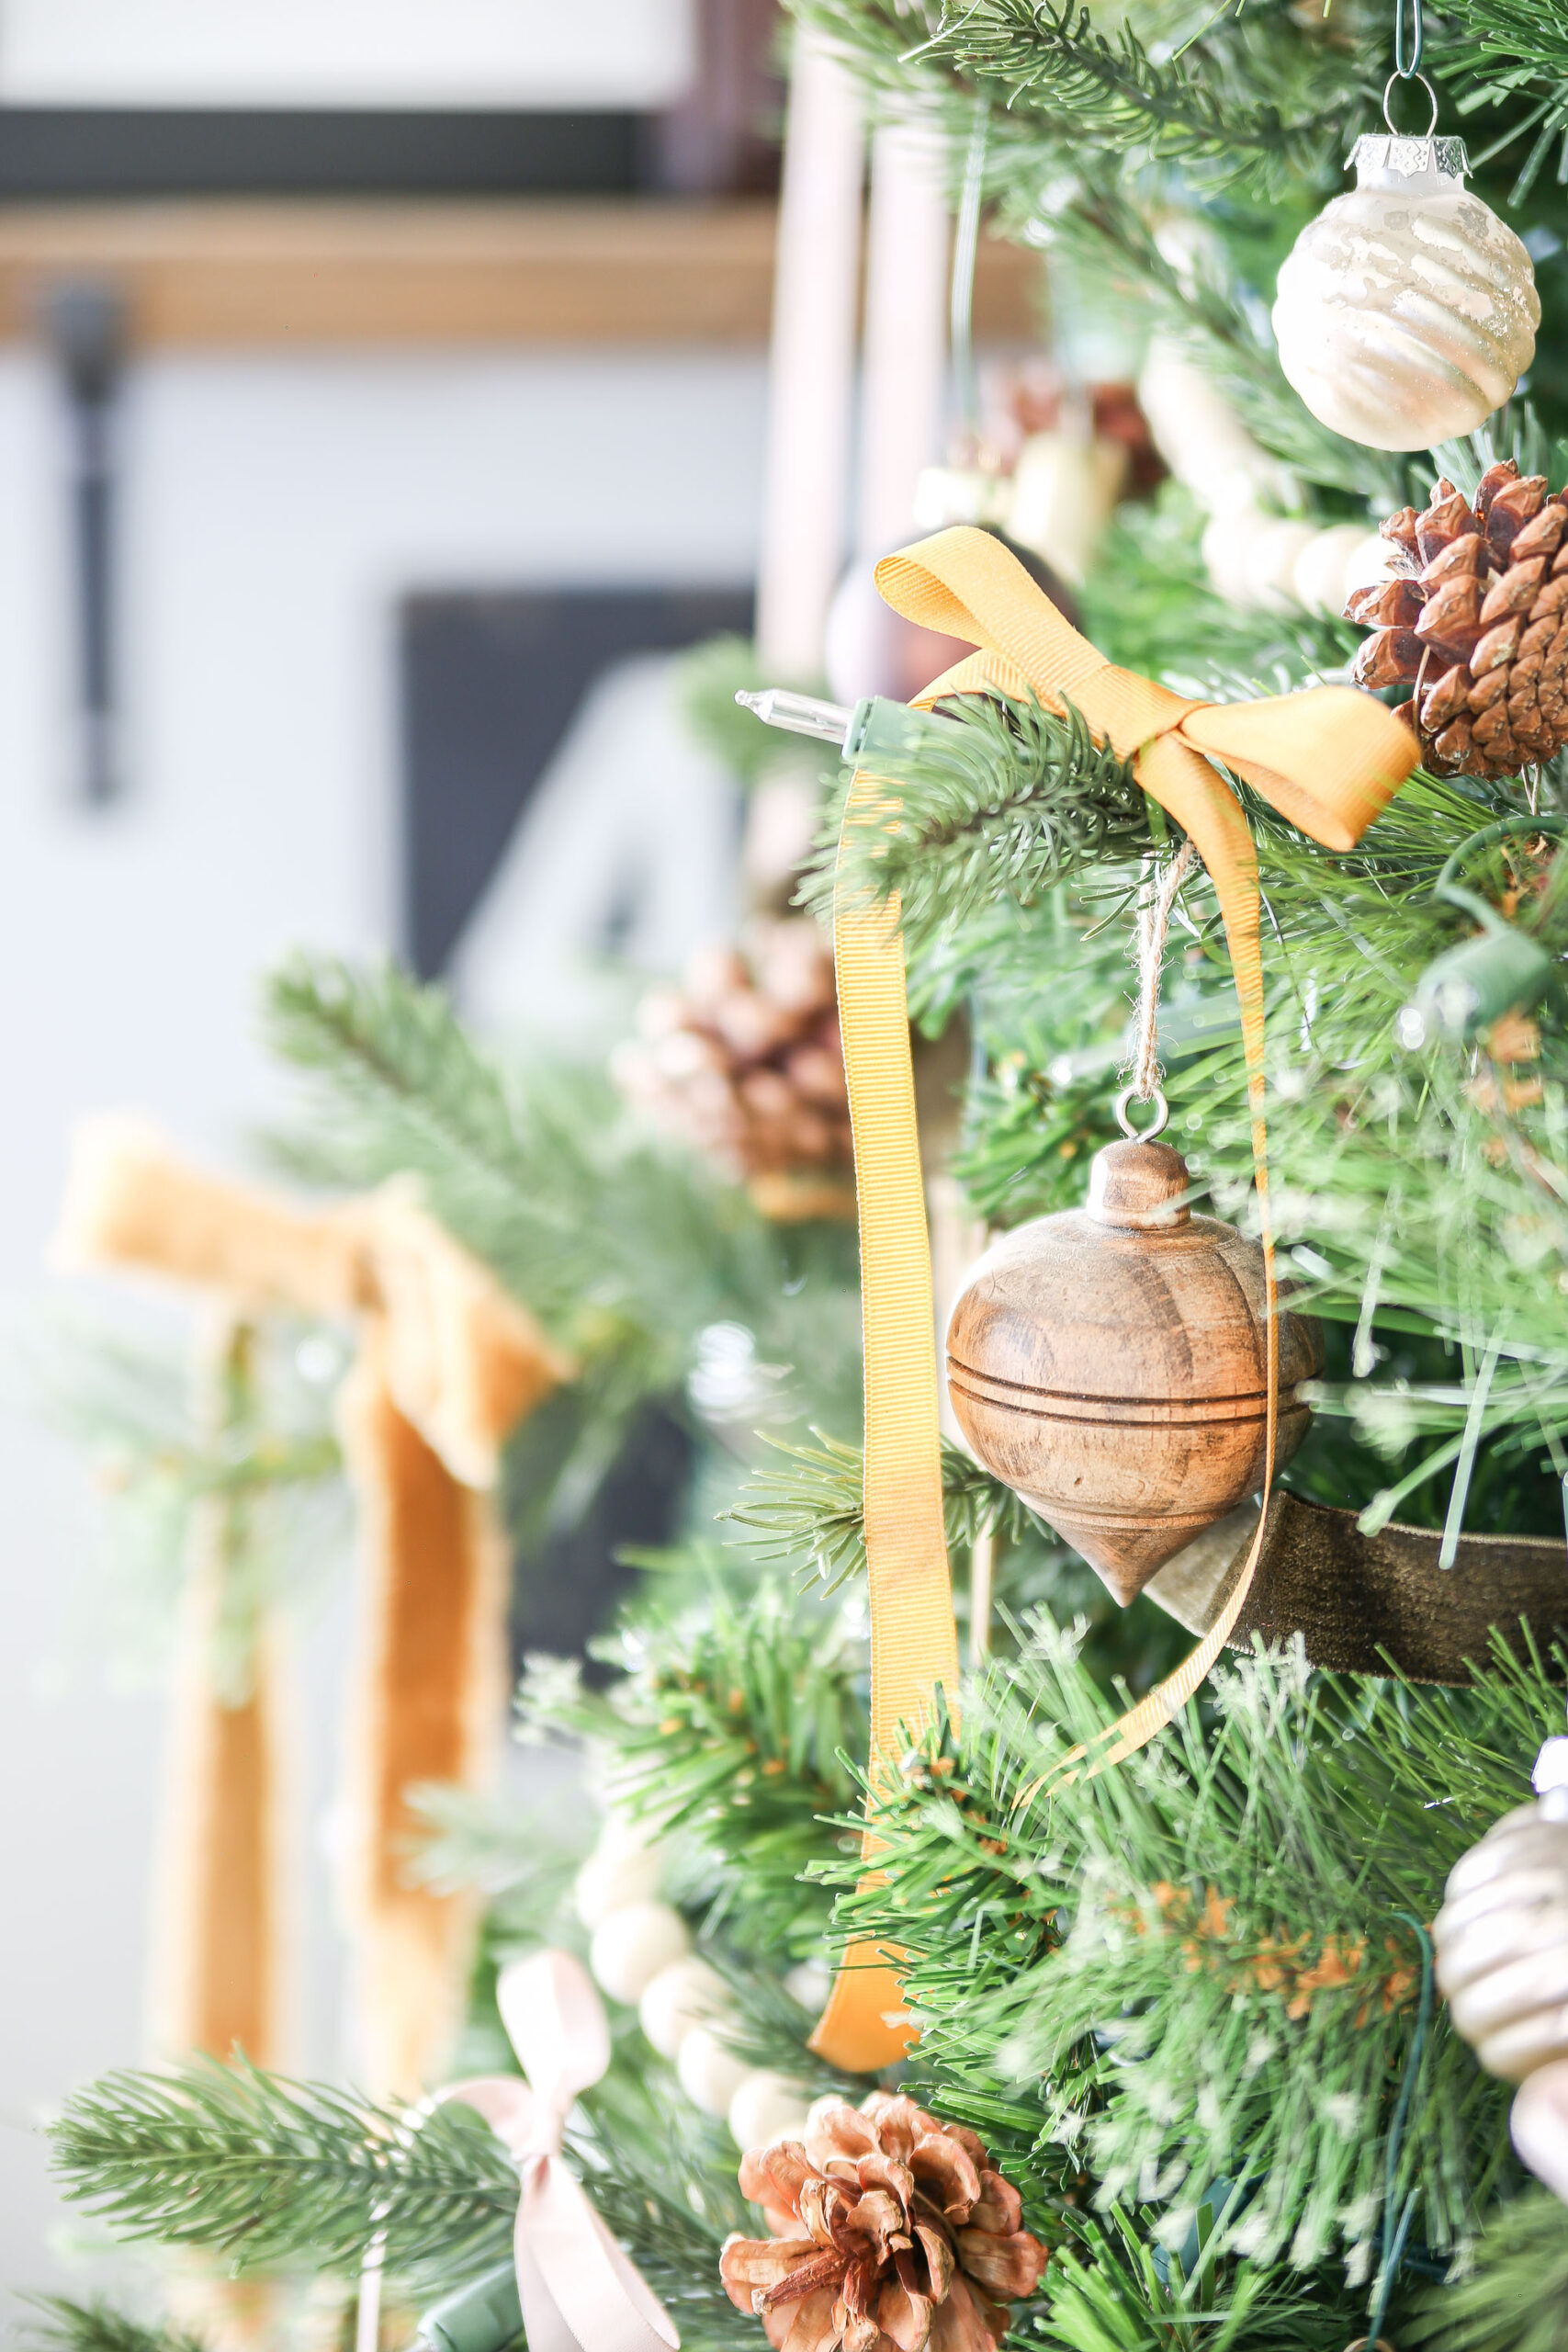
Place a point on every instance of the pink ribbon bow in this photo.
(578, 2291)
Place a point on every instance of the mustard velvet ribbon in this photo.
(448, 1363)
(1330, 760)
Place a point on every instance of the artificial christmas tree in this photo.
(1162, 1944)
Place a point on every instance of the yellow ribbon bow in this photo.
(1330, 760)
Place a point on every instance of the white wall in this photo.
(273, 513)
(345, 52)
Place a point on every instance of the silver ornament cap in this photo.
(1430, 166)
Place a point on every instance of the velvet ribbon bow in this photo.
(1329, 759)
(580, 2293)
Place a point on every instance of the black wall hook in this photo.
(85, 324)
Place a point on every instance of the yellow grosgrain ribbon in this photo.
(1330, 760)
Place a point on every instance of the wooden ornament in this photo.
(1110, 1363)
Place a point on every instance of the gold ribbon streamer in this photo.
(1329, 759)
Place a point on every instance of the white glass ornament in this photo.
(1501, 1938)
(710, 2073)
(632, 1945)
(766, 2107)
(1407, 311)
(678, 2000)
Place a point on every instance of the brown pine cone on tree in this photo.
(893, 2233)
(1476, 619)
(744, 1059)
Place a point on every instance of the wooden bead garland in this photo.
(1110, 1363)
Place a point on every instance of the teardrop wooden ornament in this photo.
(1110, 1363)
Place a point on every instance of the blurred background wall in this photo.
(352, 361)
(283, 480)
(276, 510)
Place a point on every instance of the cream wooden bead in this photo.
(1201, 439)
(948, 494)
(766, 2107)
(1369, 564)
(710, 2072)
(1064, 487)
(1319, 581)
(809, 1982)
(678, 2000)
(1251, 557)
(632, 1945)
(615, 1875)
(1226, 546)
(1274, 547)
(1407, 310)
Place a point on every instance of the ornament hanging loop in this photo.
(1157, 1124)
(1404, 66)
(1387, 114)
(1155, 903)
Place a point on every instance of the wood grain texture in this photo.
(1109, 1364)
(302, 274)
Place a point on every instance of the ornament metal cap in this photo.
(1425, 166)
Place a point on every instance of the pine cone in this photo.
(1477, 617)
(744, 1057)
(894, 2234)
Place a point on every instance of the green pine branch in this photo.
(1106, 2289)
(627, 1247)
(263, 2170)
(263, 1473)
(62, 2326)
(731, 1729)
(266, 2170)
(1515, 2297)
(1249, 99)
(1206, 1965)
(1016, 798)
(809, 1503)
(1506, 61)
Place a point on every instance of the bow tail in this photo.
(914, 1645)
(578, 2291)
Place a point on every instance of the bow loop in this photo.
(555, 2022)
(1319, 757)
(580, 2293)
(1330, 759)
(964, 583)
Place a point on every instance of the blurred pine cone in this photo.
(1476, 618)
(744, 1060)
(892, 2233)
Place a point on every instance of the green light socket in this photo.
(483, 2316)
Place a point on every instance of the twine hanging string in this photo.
(1156, 901)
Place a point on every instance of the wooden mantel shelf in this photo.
(313, 275)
